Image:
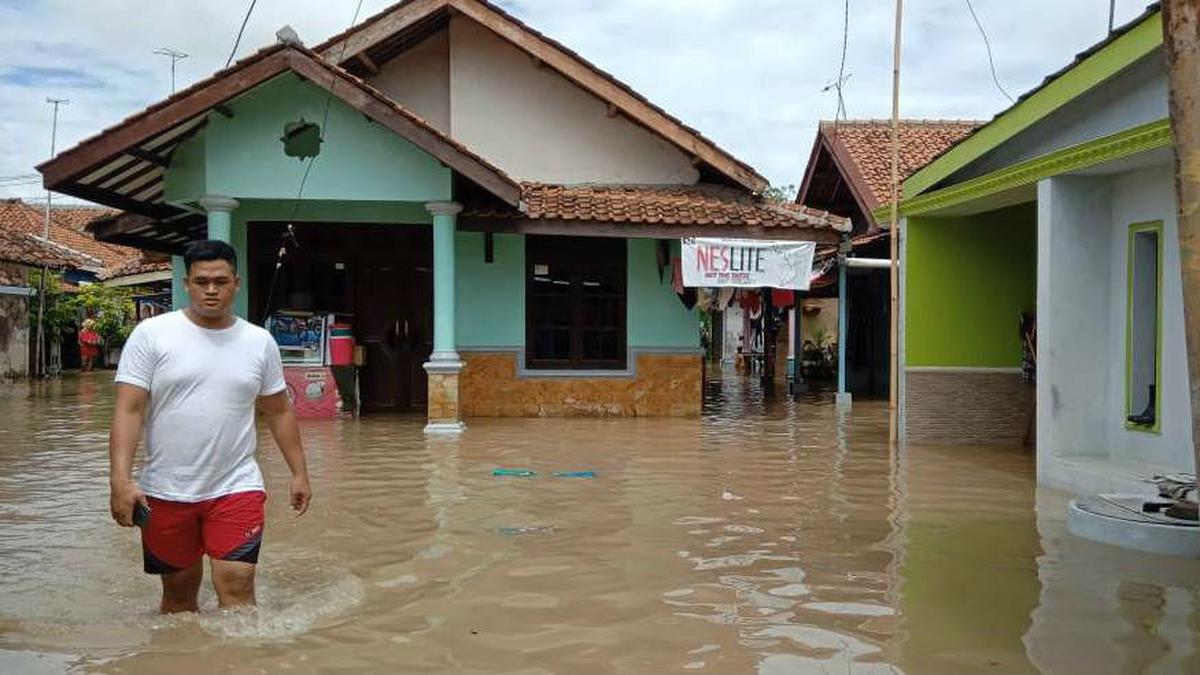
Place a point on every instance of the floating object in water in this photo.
(536, 529)
(575, 474)
(521, 473)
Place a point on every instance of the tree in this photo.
(784, 194)
(111, 307)
(1181, 37)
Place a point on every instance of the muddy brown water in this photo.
(768, 536)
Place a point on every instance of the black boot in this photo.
(1146, 418)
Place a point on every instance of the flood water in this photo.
(765, 537)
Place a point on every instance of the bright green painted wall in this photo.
(968, 279)
(243, 157)
(491, 296)
(656, 317)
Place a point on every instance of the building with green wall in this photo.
(1062, 208)
(496, 218)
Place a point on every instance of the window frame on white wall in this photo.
(1135, 404)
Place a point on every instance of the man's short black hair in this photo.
(209, 249)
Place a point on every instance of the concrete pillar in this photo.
(179, 296)
(220, 216)
(843, 396)
(444, 364)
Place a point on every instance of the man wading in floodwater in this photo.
(192, 379)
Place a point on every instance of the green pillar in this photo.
(221, 227)
(220, 216)
(445, 216)
(444, 366)
(179, 296)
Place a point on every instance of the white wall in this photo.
(419, 80)
(538, 126)
(1139, 197)
(1083, 229)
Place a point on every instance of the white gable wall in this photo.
(538, 126)
(419, 80)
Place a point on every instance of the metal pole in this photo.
(843, 332)
(894, 351)
(1112, 8)
(798, 384)
(174, 55)
(41, 333)
(1181, 37)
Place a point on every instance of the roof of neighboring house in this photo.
(416, 16)
(862, 151)
(143, 264)
(27, 249)
(92, 254)
(78, 217)
(1122, 46)
(693, 205)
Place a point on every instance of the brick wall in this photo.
(665, 385)
(972, 408)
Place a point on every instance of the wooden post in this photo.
(1181, 38)
(894, 239)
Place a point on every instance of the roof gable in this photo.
(1123, 47)
(411, 20)
(124, 165)
(861, 152)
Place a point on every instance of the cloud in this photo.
(747, 73)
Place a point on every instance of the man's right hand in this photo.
(125, 497)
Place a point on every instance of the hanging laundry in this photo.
(724, 297)
(783, 298)
(750, 300)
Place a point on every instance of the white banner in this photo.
(747, 263)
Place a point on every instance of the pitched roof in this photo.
(143, 264)
(27, 249)
(78, 217)
(414, 14)
(696, 206)
(16, 215)
(124, 165)
(1122, 46)
(862, 150)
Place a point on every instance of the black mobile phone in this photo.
(141, 515)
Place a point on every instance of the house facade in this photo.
(849, 174)
(1061, 207)
(494, 216)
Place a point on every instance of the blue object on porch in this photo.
(521, 473)
(575, 474)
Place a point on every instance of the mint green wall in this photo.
(243, 157)
(968, 279)
(656, 317)
(491, 297)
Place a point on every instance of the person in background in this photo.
(89, 344)
(191, 380)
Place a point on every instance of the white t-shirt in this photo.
(200, 435)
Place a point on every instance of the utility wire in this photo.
(987, 45)
(290, 232)
(241, 30)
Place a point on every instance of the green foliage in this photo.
(784, 194)
(59, 312)
(112, 308)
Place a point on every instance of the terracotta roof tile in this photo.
(78, 217)
(143, 264)
(867, 145)
(662, 204)
(27, 249)
(18, 216)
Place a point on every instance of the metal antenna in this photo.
(174, 55)
(41, 334)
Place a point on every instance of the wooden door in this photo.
(395, 327)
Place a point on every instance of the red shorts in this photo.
(180, 533)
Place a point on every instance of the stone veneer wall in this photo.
(665, 385)
(966, 407)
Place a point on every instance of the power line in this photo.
(238, 41)
(987, 45)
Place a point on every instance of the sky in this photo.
(749, 74)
